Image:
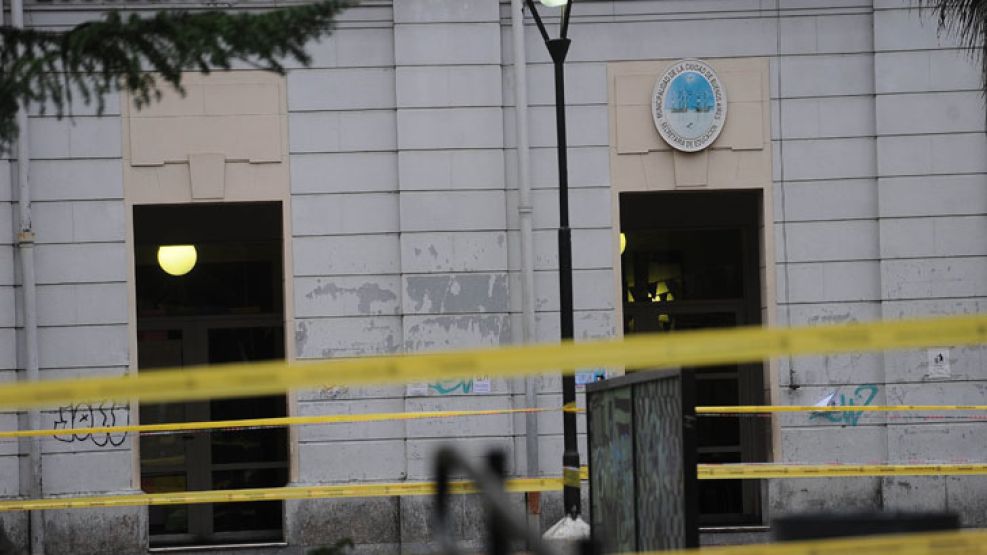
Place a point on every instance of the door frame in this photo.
(170, 180)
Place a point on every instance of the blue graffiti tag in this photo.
(849, 418)
(452, 386)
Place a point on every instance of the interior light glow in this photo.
(177, 260)
(554, 3)
(623, 243)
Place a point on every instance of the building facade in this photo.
(386, 199)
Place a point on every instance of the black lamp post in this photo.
(558, 48)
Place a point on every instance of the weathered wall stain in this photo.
(85, 415)
(453, 330)
(366, 294)
(862, 396)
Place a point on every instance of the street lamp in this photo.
(558, 48)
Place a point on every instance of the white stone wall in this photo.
(405, 233)
(932, 168)
(827, 247)
(9, 467)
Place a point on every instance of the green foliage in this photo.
(967, 20)
(135, 53)
(338, 548)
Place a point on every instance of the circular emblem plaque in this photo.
(689, 105)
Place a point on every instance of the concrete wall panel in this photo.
(352, 131)
(353, 461)
(340, 89)
(59, 180)
(345, 214)
(81, 304)
(932, 154)
(350, 255)
(443, 86)
(343, 172)
(83, 346)
(79, 222)
(933, 195)
(80, 263)
(934, 278)
(934, 237)
(447, 44)
(451, 128)
(848, 199)
(452, 211)
(452, 169)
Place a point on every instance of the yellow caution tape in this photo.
(264, 422)
(395, 416)
(780, 470)
(518, 485)
(964, 542)
(691, 348)
(764, 409)
(515, 485)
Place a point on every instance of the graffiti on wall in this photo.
(87, 415)
(452, 387)
(862, 396)
(461, 386)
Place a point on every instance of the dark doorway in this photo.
(691, 261)
(228, 308)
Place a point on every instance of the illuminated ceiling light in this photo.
(177, 260)
(553, 3)
(623, 243)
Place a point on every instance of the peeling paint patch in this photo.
(832, 318)
(458, 293)
(458, 331)
(301, 337)
(366, 294)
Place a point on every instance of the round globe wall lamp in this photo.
(177, 260)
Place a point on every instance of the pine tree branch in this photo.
(135, 54)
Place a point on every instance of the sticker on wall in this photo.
(481, 384)
(939, 363)
(584, 377)
(689, 105)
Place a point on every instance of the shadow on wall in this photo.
(7, 547)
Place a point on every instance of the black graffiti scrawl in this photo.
(87, 415)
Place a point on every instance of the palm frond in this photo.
(967, 21)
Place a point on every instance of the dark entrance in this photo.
(228, 308)
(692, 261)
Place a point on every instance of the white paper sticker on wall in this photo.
(417, 390)
(939, 363)
(584, 377)
(481, 385)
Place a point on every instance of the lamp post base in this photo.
(569, 528)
